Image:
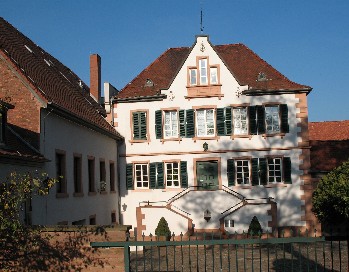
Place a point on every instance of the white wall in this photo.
(59, 133)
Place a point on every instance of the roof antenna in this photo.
(201, 26)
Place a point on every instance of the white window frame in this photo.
(213, 75)
(141, 181)
(274, 175)
(207, 125)
(171, 130)
(240, 125)
(272, 119)
(203, 67)
(172, 174)
(193, 76)
(228, 223)
(240, 168)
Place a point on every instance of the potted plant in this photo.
(162, 230)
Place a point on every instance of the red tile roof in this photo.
(329, 143)
(243, 63)
(330, 130)
(55, 83)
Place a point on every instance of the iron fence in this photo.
(209, 252)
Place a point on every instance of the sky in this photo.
(306, 40)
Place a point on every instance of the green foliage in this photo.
(15, 237)
(255, 227)
(331, 198)
(162, 229)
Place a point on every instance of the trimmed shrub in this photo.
(162, 229)
(255, 227)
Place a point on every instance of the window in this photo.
(113, 217)
(171, 124)
(205, 125)
(240, 121)
(102, 178)
(91, 175)
(272, 119)
(213, 75)
(274, 170)
(259, 171)
(112, 176)
(172, 174)
(139, 128)
(228, 223)
(92, 220)
(192, 76)
(242, 171)
(61, 173)
(141, 175)
(203, 71)
(77, 175)
(151, 175)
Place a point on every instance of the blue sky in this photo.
(307, 41)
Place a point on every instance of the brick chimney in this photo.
(95, 77)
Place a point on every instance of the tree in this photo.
(255, 227)
(16, 237)
(331, 198)
(162, 229)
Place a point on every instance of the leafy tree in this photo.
(162, 229)
(255, 227)
(331, 198)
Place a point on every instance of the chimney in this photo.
(95, 77)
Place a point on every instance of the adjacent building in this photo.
(50, 122)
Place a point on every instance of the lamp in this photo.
(207, 215)
(205, 146)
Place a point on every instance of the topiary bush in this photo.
(162, 229)
(255, 227)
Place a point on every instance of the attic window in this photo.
(31, 51)
(149, 83)
(262, 77)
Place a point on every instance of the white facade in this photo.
(192, 205)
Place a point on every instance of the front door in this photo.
(207, 175)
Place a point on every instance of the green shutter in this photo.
(190, 124)
(260, 119)
(255, 175)
(287, 170)
(284, 118)
(143, 125)
(220, 122)
(184, 174)
(158, 124)
(182, 123)
(160, 177)
(228, 122)
(252, 120)
(152, 175)
(231, 172)
(136, 131)
(129, 176)
(263, 171)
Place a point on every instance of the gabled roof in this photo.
(242, 62)
(58, 86)
(329, 131)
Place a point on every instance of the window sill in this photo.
(92, 193)
(142, 190)
(138, 141)
(62, 195)
(78, 194)
(272, 185)
(201, 91)
(241, 186)
(103, 192)
(233, 136)
(171, 140)
(172, 189)
(274, 134)
(206, 138)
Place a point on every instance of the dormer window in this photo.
(203, 71)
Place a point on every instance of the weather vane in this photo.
(201, 26)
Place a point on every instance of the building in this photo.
(214, 135)
(50, 122)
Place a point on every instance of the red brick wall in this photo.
(26, 114)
